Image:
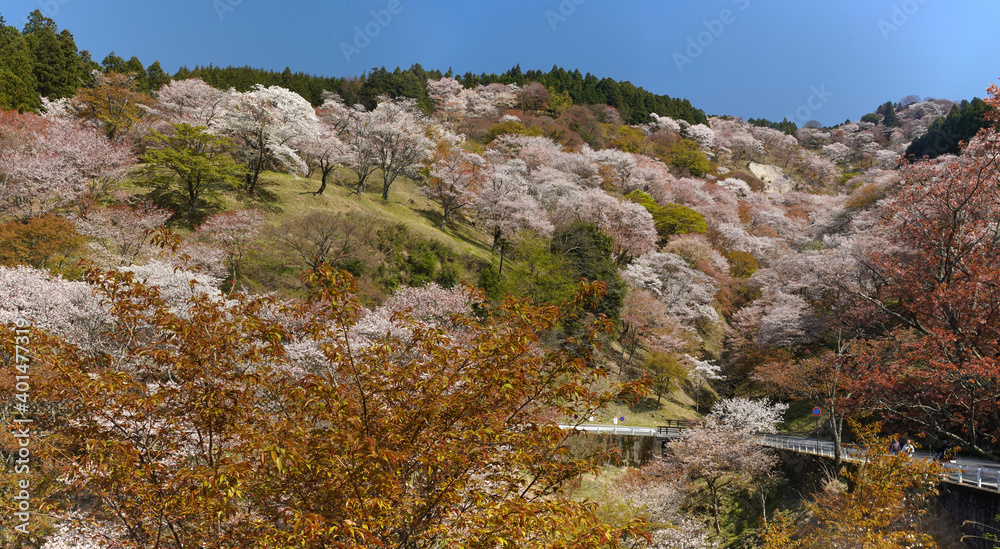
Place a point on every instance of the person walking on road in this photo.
(894, 445)
(908, 448)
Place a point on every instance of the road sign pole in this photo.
(816, 412)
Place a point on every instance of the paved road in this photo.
(964, 470)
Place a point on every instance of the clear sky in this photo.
(826, 60)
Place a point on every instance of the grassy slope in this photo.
(406, 205)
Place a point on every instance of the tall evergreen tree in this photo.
(55, 66)
(17, 77)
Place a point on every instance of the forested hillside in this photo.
(262, 309)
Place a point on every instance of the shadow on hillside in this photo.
(262, 197)
(647, 404)
(429, 214)
(451, 230)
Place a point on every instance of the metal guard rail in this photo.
(990, 480)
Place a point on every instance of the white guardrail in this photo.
(613, 430)
(986, 479)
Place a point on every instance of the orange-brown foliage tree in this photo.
(199, 426)
(886, 507)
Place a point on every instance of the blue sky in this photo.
(828, 61)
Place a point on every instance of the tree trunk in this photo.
(322, 187)
(838, 451)
(715, 509)
(387, 180)
(325, 172)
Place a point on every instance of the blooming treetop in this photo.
(741, 413)
(193, 102)
(504, 204)
(687, 292)
(703, 370)
(50, 303)
(47, 162)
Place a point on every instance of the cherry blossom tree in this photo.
(504, 205)
(726, 460)
(47, 163)
(234, 232)
(687, 292)
(122, 232)
(776, 142)
(193, 102)
(699, 133)
(324, 148)
(448, 96)
(619, 165)
(197, 256)
(267, 125)
(430, 305)
(455, 102)
(736, 186)
(745, 414)
(398, 139)
(764, 248)
(779, 320)
(355, 127)
(838, 153)
(657, 492)
(629, 225)
(51, 303)
(79, 531)
(665, 123)
(491, 99)
(652, 176)
(886, 159)
(454, 174)
(61, 108)
(816, 169)
(177, 287)
(702, 371)
(736, 137)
